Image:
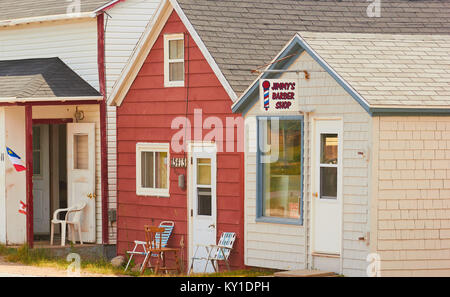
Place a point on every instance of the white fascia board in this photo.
(59, 17)
(204, 51)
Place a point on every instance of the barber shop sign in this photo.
(278, 95)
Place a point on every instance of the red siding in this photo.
(146, 115)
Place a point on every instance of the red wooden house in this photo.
(172, 91)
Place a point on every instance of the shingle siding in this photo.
(245, 35)
(413, 206)
(285, 246)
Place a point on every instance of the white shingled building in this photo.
(361, 173)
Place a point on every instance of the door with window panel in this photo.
(327, 197)
(204, 205)
(81, 175)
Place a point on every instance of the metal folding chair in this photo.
(216, 253)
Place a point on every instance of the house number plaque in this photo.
(178, 163)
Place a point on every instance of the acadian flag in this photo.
(16, 160)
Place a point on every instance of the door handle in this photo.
(315, 194)
(91, 196)
(212, 226)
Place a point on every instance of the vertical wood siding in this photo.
(125, 24)
(146, 116)
(285, 246)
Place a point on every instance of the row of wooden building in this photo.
(313, 130)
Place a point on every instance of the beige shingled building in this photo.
(379, 105)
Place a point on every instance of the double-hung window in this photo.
(152, 169)
(280, 141)
(174, 60)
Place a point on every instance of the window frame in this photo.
(167, 82)
(151, 148)
(259, 172)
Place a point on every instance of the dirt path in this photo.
(8, 269)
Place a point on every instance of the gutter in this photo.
(59, 17)
(45, 99)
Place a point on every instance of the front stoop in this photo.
(305, 273)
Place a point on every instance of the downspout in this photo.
(103, 125)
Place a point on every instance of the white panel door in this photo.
(81, 174)
(203, 201)
(2, 178)
(327, 194)
(41, 180)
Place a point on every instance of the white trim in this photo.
(204, 51)
(106, 5)
(140, 53)
(56, 99)
(262, 72)
(210, 149)
(339, 129)
(145, 45)
(152, 147)
(167, 82)
(48, 18)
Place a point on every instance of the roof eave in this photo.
(45, 99)
(49, 18)
(298, 40)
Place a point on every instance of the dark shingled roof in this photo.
(19, 9)
(242, 35)
(41, 78)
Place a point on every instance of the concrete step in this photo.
(305, 273)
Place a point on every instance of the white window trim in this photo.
(167, 61)
(151, 147)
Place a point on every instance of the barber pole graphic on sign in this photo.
(279, 95)
(15, 160)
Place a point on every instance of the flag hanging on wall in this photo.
(16, 160)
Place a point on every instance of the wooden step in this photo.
(305, 273)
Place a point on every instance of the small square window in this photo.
(152, 169)
(174, 60)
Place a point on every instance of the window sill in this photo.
(279, 221)
(175, 84)
(156, 195)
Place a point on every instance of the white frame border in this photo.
(152, 147)
(167, 82)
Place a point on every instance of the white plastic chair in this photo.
(70, 221)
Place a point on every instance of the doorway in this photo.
(202, 201)
(49, 176)
(327, 194)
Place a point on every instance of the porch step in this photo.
(305, 273)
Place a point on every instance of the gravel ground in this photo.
(8, 269)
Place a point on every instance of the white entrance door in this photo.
(2, 178)
(203, 201)
(41, 180)
(81, 174)
(327, 193)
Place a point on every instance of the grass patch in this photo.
(43, 258)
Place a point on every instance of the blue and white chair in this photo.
(168, 226)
